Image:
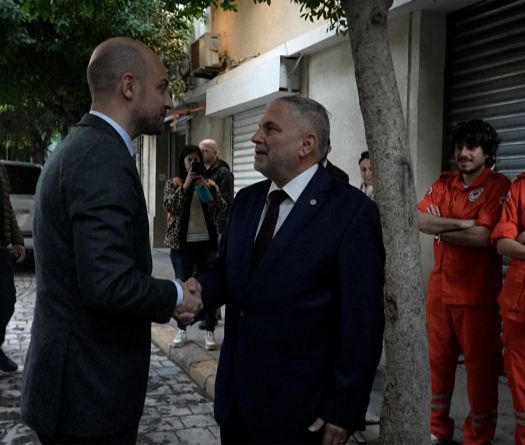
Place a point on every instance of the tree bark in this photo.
(406, 403)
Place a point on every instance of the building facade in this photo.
(453, 60)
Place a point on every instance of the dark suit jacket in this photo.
(87, 366)
(336, 172)
(303, 334)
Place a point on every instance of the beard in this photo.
(148, 122)
(475, 168)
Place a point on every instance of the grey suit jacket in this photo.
(87, 365)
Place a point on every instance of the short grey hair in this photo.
(303, 108)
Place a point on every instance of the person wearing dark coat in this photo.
(86, 369)
(334, 170)
(10, 236)
(301, 271)
(218, 171)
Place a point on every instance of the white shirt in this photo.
(197, 228)
(129, 145)
(293, 189)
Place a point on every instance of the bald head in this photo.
(110, 60)
(130, 84)
(210, 151)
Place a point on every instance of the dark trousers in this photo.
(189, 258)
(124, 438)
(7, 291)
(235, 431)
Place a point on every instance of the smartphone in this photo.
(197, 167)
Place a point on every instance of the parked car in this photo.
(23, 177)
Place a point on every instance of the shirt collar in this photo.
(479, 180)
(123, 134)
(296, 186)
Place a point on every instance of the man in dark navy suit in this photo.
(301, 265)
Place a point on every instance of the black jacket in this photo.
(220, 173)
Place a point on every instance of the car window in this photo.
(22, 179)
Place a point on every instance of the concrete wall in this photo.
(425, 129)
(155, 160)
(148, 178)
(417, 41)
(257, 28)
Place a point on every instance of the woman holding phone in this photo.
(192, 203)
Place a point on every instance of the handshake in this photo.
(191, 305)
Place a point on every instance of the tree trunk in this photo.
(406, 403)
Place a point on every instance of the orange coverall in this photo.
(512, 304)
(462, 313)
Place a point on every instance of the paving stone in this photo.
(160, 423)
(168, 371)
(171, 396)
(201, 408)
(18, 434)
(160, 438)
(195, 420)
(216, 431)
(197, 436)
(173, 410)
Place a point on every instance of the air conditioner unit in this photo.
(205, 60)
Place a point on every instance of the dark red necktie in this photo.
(265, 235)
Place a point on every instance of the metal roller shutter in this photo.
(485, 76)
(244, 126)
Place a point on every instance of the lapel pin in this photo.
(313, 201)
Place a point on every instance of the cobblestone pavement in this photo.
(176, 411)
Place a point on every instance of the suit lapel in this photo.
(308, 204)
(253, 216)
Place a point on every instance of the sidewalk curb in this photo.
(199, 364)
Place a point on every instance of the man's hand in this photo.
(333, 434)
(433, 210)
(20, 252)
(191, 302)
(521, 238)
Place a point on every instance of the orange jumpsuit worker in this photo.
(510, 238)
(460, 210)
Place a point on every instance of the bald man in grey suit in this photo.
(87, 366)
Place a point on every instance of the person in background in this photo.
(365, 167)
(460, 210)
(193, 204)
(334, 170)
(10, 235)
(509, 236)
(367, 187)
(218, 171)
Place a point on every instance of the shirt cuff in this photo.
(504, 230)
(179, 292)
